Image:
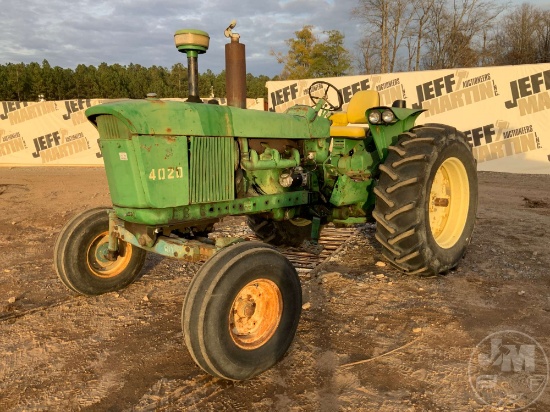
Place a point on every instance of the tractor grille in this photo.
(110, 127)
(212, 169)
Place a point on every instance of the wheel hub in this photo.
(97, 257)
(255, 314)
(245, 309)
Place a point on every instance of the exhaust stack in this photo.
(192, 42)
(235, 69)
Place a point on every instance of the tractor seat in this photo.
(342, 121)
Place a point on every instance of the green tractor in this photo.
(175, 168)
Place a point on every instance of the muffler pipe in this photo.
(235, 69)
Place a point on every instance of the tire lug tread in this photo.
(382, 196)
(409, 159)
(393, 176)
(401, 236)
(380, 219)
(401, 184)
(408, 257)
(397, 150)
(402, 209)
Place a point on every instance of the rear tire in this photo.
(279, 233)
(241, 311)
(79, 256)
(426, 200)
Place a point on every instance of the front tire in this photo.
(426, 200)
(79, 256)
(241, 311)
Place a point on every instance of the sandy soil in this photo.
(369, 338)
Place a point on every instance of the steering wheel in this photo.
(320, 90)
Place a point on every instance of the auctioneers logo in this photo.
(453, 91)
(11, 143)
(389, 90)
(508, 370)
(20, 112)
(530, 94)
(57, 145)
(75, 110)
(497, 140)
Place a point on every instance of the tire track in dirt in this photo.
(125, 351)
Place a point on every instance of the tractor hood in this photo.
(175, 118)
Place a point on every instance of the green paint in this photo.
(348, 191)
(173, 118)
(174, 165)
(190, 213)
(386, 135)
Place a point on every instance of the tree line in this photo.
(412, 35)
(30, 82)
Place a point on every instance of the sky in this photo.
(90, 32)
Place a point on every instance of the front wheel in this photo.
(241, 311)
(80, 256)
(426, 200)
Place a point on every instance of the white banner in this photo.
(56, 133)
(504, 111)
(46, 133)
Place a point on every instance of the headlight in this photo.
(374, 117)
(388, 116)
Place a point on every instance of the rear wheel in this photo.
(287, 232)
(426, 200)
(80, 256)
(241, 311)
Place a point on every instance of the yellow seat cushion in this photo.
(339, 119)
(357, 107)
(359, 103)
(352, 132)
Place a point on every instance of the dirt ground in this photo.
(370, 338)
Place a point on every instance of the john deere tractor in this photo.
(176, 168)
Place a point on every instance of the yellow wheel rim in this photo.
(449, 202)
(97, 262)
(255, 314)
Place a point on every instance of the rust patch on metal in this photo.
(442, 202)
(206, 252)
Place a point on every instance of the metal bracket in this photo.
(315, 230)
(112, 253)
